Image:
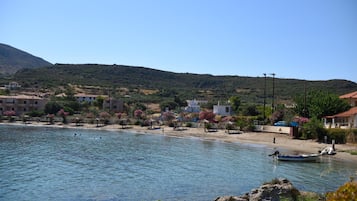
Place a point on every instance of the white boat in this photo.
(328, 151)
(300, 157)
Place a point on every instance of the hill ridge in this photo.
(13, 59)
(149, 78)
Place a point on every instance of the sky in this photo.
(299, 39)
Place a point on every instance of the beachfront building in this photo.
(21, 104)
(193, 106)
(113, 105)
(351, 98)
(89, 98)
(347, 119)
(223, 110)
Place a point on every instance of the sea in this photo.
(46, 163)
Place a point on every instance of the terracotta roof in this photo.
(349, 95)
(350, 112)
(20, 97)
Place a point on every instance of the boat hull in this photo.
(310, 157)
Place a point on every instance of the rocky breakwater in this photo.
(274, 190)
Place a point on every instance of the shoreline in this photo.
(282, 141)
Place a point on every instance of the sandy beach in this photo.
(282, 141)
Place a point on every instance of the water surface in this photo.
(77, 164)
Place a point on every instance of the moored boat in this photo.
(300, 157)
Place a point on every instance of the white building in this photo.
(192, 106)
(223, 110)
(347, 119)
(12, 85)
(89, 98)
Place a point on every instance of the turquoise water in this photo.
(77, 164)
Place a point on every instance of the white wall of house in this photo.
(223, 110)
(347, 122)
(192, 106)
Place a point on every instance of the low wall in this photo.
(273, 129)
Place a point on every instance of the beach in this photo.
(273, 140)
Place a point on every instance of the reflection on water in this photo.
(67, 164)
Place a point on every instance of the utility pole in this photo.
(265, 94)
(272, 103)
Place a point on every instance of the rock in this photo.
(230, 198)
(271, 191)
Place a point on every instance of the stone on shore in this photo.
(272, 191)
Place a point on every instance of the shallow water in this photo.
(78, 164)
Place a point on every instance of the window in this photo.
(24, 102)
(227, 109)
(35, 102)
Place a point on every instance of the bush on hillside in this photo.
(346, 192)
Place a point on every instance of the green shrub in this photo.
(313, 130)
(35, 113)
(189, 124)
(337, 134)
(346, 192)
(352, 136)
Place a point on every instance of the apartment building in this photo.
(21, 104)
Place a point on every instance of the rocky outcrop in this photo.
(272, 191)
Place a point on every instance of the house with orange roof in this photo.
(21, 104)
(347, 119)
(351, 98)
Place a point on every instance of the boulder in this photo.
(271, 191)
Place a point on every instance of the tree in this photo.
(104, 117)
(171, 105)
(251, 110)
(205, 115)
(180, 102)
(235, 103)
(168, 116)
(52, 107)
(63, 114)
(319, 104)
(278, 115)
(139, 114)
(313, 129)
(99, 101)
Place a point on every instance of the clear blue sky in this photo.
(303, 39)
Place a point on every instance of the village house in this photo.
(347, 119)
(89, 98)
(21, 104)
(110, 104)
(223, 110)
(194, 105)
(351, 98)
(12, 86)
(113, 105)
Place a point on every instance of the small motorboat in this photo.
(300, 157)
(328, 151)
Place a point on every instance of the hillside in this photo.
(12, 59)
(251, 89)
